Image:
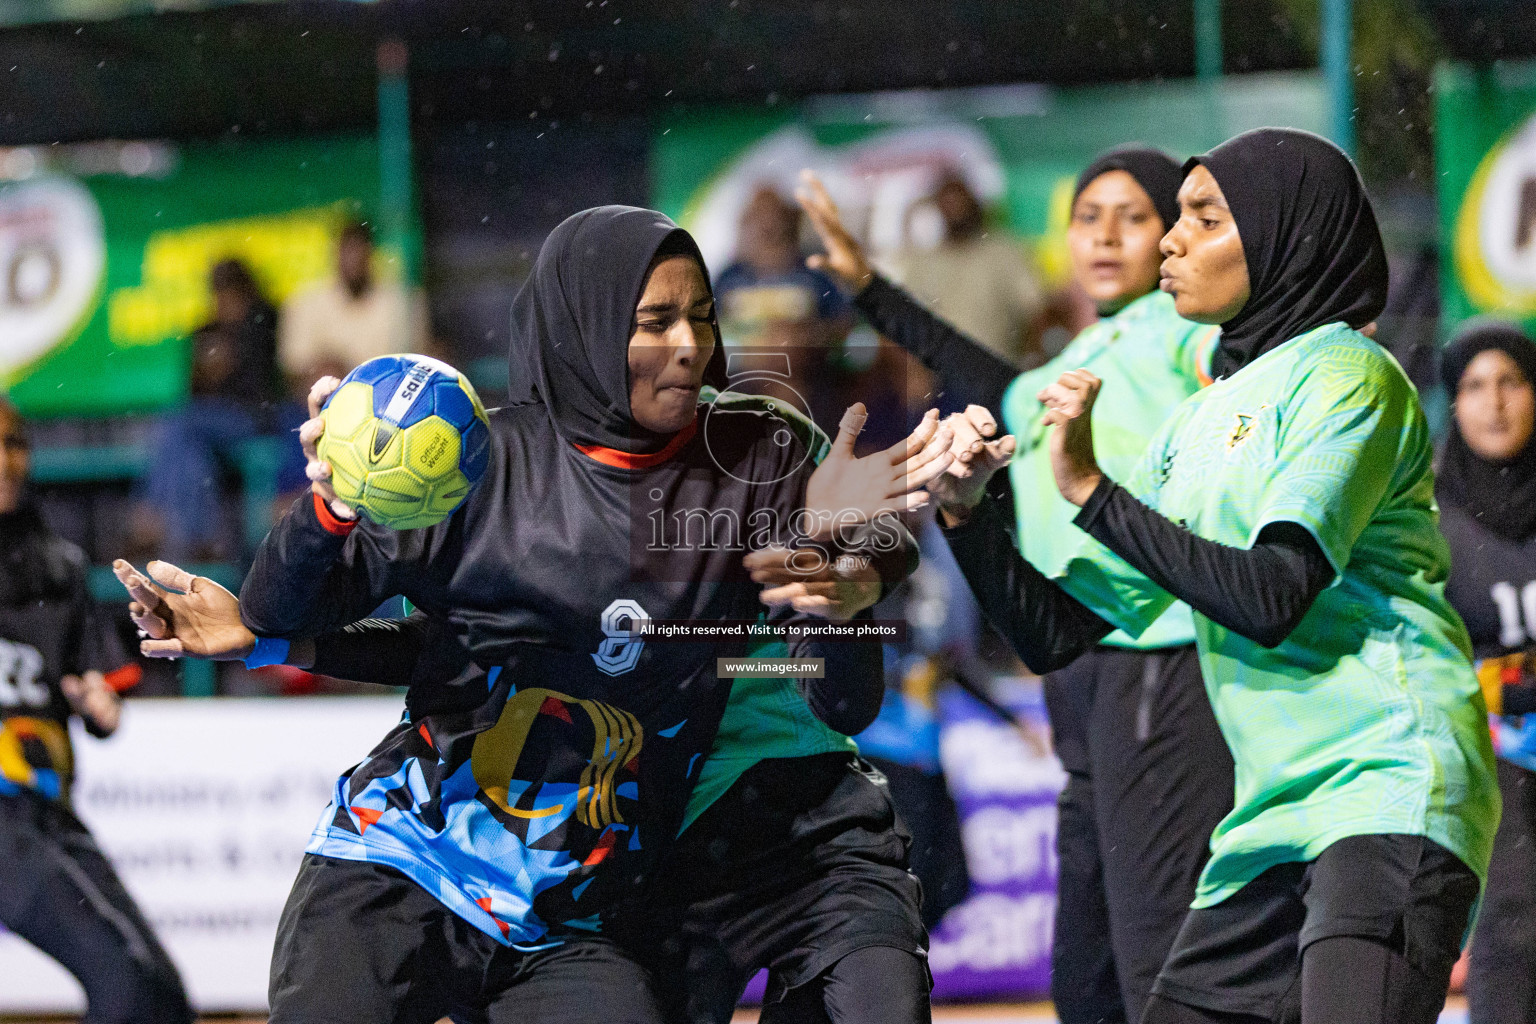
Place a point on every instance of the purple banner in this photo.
(1004, 780)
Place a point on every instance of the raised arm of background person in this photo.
(1261, 592)
(964, 365)
(1046, 626)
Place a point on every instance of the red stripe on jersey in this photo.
(640, 460)
(555, 709)
(484, 903)
(604, 847)
(366, 815)
(328, 520)
(125, 678)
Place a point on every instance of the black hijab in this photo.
(572, 321)
(1499, 495)
(1309, 237)
(1155, 171)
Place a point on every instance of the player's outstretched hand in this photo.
(93, 699)
(182, 615)
(809, 583)
(845, 259)
(978, 453)
(847, 491)
(316, 468)
(1068, 404)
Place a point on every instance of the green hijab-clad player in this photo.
(1148, 774)
(1290, 504)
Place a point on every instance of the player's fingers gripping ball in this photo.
(407, 438)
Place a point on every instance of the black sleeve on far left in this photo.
(1261, 592)
(1047, 627)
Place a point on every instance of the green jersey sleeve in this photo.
(1337, 450)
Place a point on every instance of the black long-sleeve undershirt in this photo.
(965, 365)
(1046, 626)
(1261, 592)
(383, 651)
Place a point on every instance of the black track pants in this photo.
(1149, 778)
(59, 893)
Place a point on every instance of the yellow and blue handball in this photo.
(407, 439)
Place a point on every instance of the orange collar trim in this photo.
(639, 460)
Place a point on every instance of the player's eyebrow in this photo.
(1205, 202)
(672, 307)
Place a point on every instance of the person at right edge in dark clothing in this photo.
(1486, 486)
(1148, 774)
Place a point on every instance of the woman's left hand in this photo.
(183, 616)
(1068, 405)
(847, 491)
(811, 584)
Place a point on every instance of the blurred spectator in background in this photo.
(980, 279)
(332, 327)
(234, 389)
(1486, 486)
(768, 297)
(783, 322)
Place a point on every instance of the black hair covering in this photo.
(1309, 237)
(1155, 171)
(572, 321)
(1499, 495)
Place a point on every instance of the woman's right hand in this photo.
(977, 455)
(845, 258)
(182, 615)
(316, 468)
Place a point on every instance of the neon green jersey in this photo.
(1368, 717)
(1150, 359)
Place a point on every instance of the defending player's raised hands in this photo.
(1068, 404)
(978, 453)
(182, 615)
(845, 259)
(316, 468)
(810, 583)
(846, 491)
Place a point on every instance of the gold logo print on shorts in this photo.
(616, 741)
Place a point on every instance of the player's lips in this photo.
(1166, 281)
